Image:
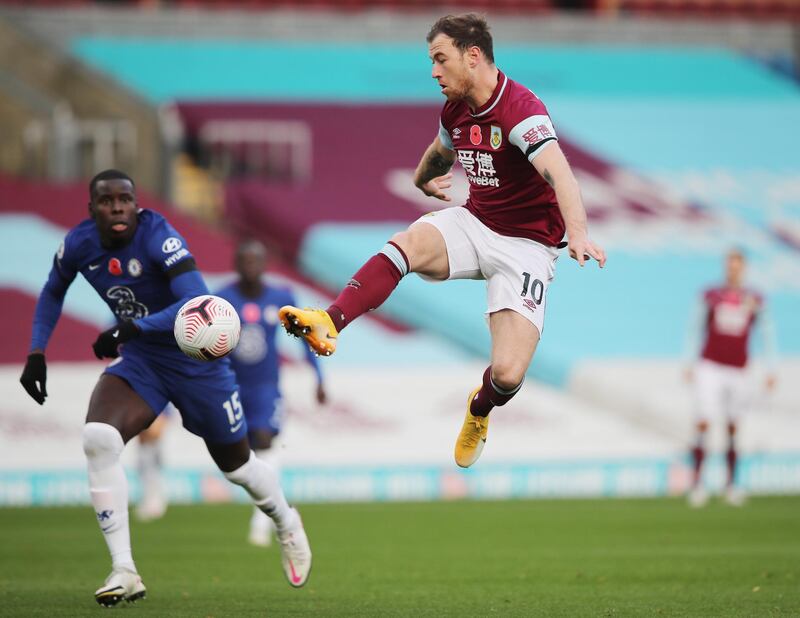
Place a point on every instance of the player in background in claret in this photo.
(141, 267)
(256, 362)
(523, 197)
(718, 345)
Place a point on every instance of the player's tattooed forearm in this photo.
(436, 165)
(433, 165)
(549, 178)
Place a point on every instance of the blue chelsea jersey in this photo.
(255, 360)
(132, 280)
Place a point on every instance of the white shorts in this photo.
(722, 392)
(517, 271)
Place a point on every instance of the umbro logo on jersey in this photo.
(456, 133)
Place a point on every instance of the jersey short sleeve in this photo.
(167, 247)
(532, 130)
(65, 261)
(444, 137)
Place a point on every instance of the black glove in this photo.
(35, 371)
(107, 342)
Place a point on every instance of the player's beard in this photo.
(460, 91)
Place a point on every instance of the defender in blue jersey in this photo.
(143, 270)
(256, 363)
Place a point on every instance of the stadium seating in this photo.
(767, 10)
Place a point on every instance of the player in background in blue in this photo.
(141, 267)
(255, 361)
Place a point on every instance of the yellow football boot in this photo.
(313, 325)
(472, 437)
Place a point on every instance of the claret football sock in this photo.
(108, 487)
(370, 286)
(698, 455)
(731, 455)
(490, 395)
(730, 460)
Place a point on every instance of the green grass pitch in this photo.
(519, 558)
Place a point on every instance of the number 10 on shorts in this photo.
(536, 289)
(234, 409)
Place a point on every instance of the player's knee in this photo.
(102, 441)
(507, 375)
(415, 243)
(702, 426)
(405, 240)
(244, 474)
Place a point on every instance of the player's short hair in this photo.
(251, 244)
(737, 252)
(110, 174)
(468, 30)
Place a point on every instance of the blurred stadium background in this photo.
(300, 123)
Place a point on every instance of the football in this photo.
(207, 328)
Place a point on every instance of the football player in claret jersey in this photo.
(718, 345)
(523, 197)
(141, 267)
(256, 362)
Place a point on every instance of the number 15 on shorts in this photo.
(233, 407)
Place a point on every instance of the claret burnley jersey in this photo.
(730, 316)
(496, 146)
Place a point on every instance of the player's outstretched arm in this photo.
(432, 175)
(554, 168)
(184, 286)
(765, 330)
(107, 343)
(694, 338)
(34, 376)
(45, 318)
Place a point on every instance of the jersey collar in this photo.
(484, 109)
